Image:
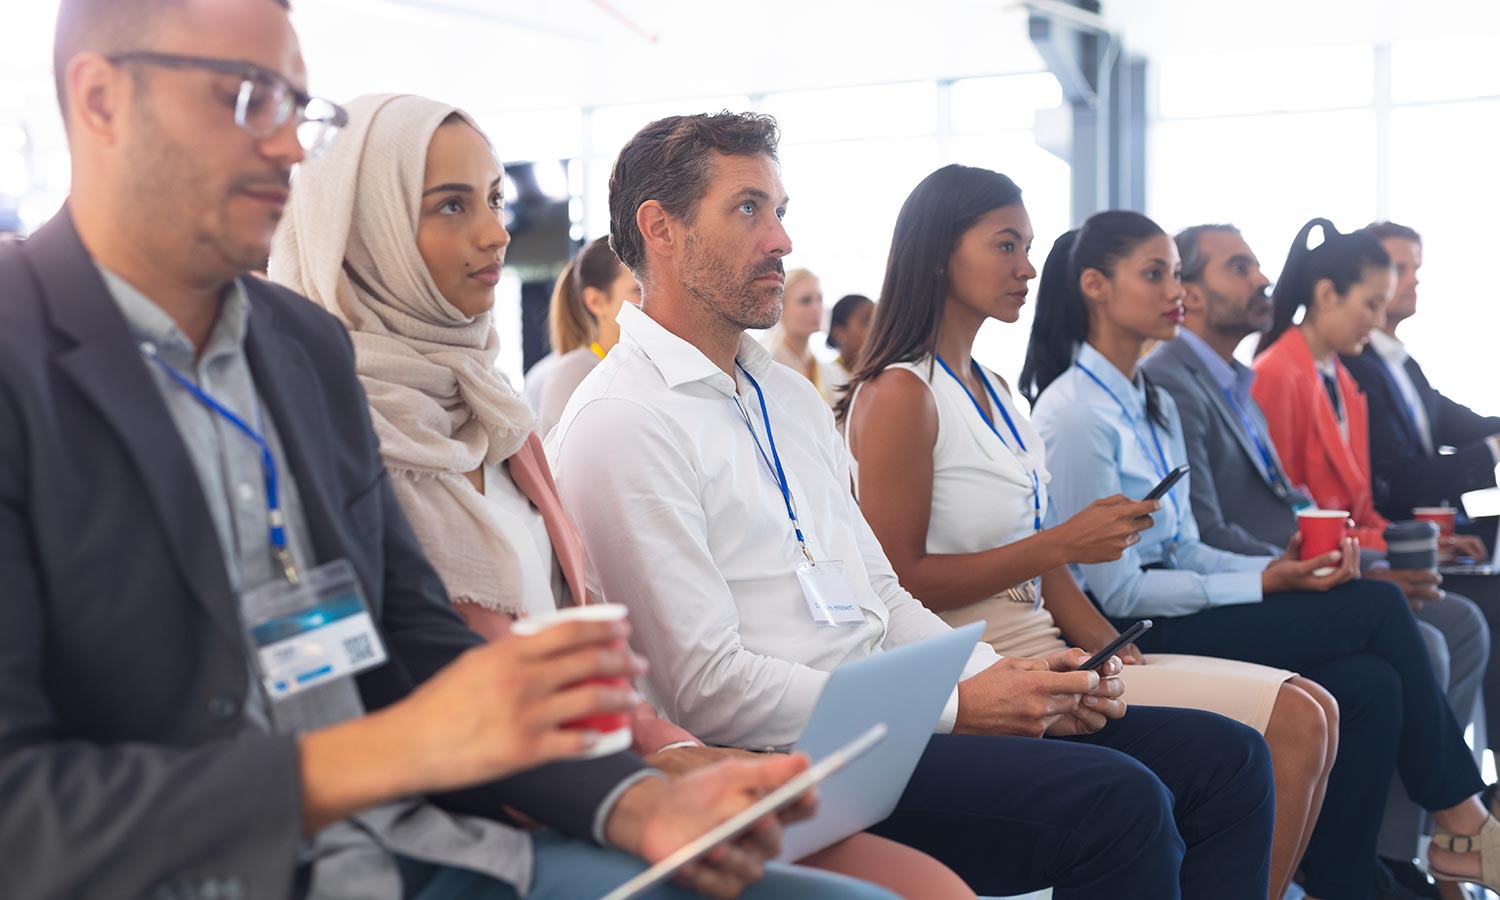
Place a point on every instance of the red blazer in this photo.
(1306, 432)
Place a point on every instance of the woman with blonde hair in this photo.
(397, 232)
(585, 301)
(790, 341)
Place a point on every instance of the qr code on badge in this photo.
(359, 648)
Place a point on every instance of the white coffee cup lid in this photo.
(593, 612)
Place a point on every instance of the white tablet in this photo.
(732, 827)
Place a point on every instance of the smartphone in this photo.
(1131, 633)
(1165, 484)
(775, 801)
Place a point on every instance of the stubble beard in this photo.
(180, 205)
(1227, 319)
(734, 296)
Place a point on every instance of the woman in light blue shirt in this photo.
(1108, 289)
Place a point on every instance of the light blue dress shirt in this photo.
(1099, 445)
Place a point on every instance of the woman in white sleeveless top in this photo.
(953, 480)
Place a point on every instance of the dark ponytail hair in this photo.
(570, 323)
(1061, 322)
(1341, 258)
(935, 216)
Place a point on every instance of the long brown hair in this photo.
(934, 217)
(569, 320)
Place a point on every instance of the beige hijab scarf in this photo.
(440, 409)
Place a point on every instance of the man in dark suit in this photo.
(1241, 496)
(1426, 449)
(1412, 425)
(140, 752)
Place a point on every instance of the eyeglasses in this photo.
(265, 100)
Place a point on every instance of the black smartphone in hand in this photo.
(1165, 484)
(1131, 633)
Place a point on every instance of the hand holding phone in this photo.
(1102, 657)
(1165, 484)
(1102, 531)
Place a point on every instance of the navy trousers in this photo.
(1359, 641)
(1161, 804)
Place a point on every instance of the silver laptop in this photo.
(905, 689)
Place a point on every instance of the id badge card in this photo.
(310, 633)
(829, 596)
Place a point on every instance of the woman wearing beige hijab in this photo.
(398, 232)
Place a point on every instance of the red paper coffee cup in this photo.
(1446, 517)
(1322, 531)
(613, 728)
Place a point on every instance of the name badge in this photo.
(830, 597)
(310, 633)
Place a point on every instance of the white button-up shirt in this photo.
(686, 525)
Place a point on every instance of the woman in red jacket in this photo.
(1314, 407)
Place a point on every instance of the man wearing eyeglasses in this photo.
(202, 565)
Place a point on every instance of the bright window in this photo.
(1265, 81)
(537, 134)
(1446, 189)
(1002, 103)
(844, 201)
(1266, 174)
(612, 126)
(843, 114)
(1446, 69)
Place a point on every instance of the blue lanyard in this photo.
(1135, 427)
(777, 471)
(1273, 471)
(1036, 482)
(268, 462)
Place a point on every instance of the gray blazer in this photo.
(1236, 507)
(125, 767)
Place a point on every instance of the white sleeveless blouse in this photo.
(982, 499)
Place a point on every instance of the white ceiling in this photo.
(500, 55)
(1159, 28)
(493, 56)
(496, 55)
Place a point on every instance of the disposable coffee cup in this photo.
(1412, 545)
(613, 728)
(1322, 531)
(1445, 517)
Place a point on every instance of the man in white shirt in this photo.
(712, 491)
